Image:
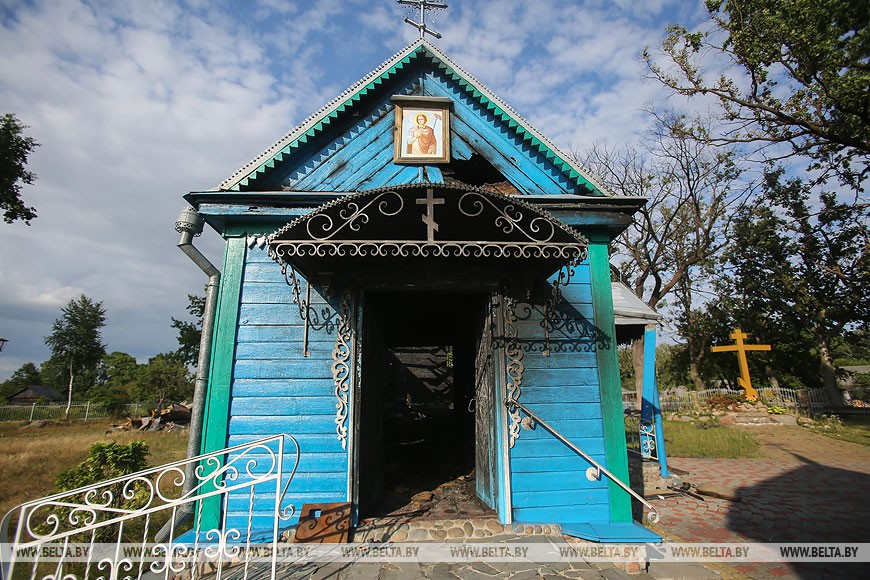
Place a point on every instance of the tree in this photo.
(693, 190)
(189, 333)
(116, 377)
(796, 74)
(27, 375)
(14, 151)
(800, 265)
(76, 342)
(164, 378)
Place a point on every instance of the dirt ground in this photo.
(781, 443)
(805, 488)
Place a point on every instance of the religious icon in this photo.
(422, 133)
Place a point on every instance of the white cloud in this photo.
(136, 103)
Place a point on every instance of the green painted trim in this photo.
(217, 415)
(613, 421)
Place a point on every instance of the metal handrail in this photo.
(96, 516)
(594, 472)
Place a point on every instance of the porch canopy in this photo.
(424, 225)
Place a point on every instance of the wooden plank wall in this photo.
(361, 157)
(548, 480)
(276, 390)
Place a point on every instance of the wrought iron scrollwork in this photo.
(341, 355)
(510, 218)
(322, 226)
(515, 367)
(563, 278)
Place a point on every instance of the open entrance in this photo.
(421, 377)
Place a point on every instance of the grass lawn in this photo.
(31, 458)
(683, 439)
(852, 428)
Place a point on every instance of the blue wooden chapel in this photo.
(415, 267)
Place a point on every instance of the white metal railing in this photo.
(596, 469)
(77, 412)
(107, 530)
(809, 400)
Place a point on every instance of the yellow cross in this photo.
(741, 348)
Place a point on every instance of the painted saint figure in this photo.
(421, 137)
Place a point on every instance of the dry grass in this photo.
(31, 458)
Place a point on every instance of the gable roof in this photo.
(341, 107)
(35, 392)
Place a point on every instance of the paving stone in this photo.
(683, 570)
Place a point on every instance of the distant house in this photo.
(34, 394)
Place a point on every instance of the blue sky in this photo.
(136, 103)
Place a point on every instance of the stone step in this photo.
(432, 529)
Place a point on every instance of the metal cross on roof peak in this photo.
(423, 5)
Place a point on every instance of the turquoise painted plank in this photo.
(573, 481)
(349, 157)
(552, 447)
(238, 503)
(275, 293)
(317, 443)
(569, 428)
(584, 362)
(586, 394)
(564, 377)
(433, 174)
(264, 272)
(292, 331)
(237, 506)
(555, 465)
(406, 175)
(270, 406)
(491, 131)
(534, 499)
(268, 314)
(495, 157)
(309, 462)
(303, 368)
(293, 387)
(553, 412)
(297, 425)
(379, 163)
(459, 148)
(549, 515)
(283, 351)
(308, 156)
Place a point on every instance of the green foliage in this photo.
(796, 75)
(626, 366)
(792, 277)
(189, 333)
(76, 342)
(164, 378)
(27, 375)
(106, 460)
(774, 409)
(14, 151)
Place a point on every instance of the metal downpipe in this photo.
(189, 225)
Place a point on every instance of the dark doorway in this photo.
(417, 411)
